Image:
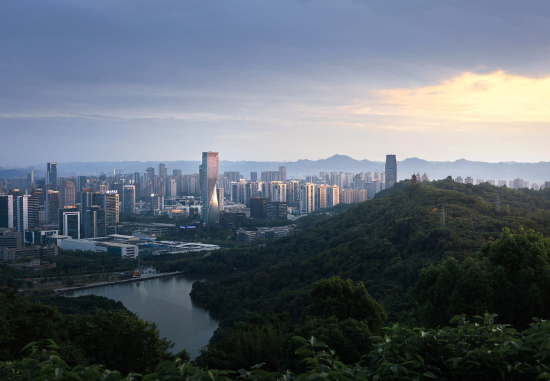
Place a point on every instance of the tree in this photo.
(22, 322)
(510, 276)
(117, 340)
(335, 297)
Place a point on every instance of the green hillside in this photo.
(384, 243)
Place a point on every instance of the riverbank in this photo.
(61, 291)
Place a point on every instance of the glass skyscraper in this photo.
(391, 170)
(208, 177)
(51, 176)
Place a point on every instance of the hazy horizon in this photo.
(37, 166)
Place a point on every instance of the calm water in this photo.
(165, 301)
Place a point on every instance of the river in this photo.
(165, 301)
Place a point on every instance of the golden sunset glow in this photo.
(470, 97)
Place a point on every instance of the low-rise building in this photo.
(121, 249)
(10, 238)
(23, 253)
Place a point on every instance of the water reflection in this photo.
(165, 301)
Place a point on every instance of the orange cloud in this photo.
(470, 97)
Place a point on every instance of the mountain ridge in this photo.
(405, 168)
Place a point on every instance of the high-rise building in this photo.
(307, 199)
(67, 194)
(321, 197)
(137, 178)
(233, 176)
(238, 192)
(51, 207)
(333, 196)
(86, 201)
(208, 177)
(391, 171)
(253, 176)
(157, 203)
(94, 225)
(34, 212)
(30, 178)
(128, 199)
(277, 191)
(109, 202)
(374, 188)
(171, 188)
(51, 176)
(176, 172)
(518, 183)
(21, 213)
(268, 176)
(258, 207)
(293, 193)
(69, 222)
(6, 211)
(81, 182)
(282, 171)
(150, 176)
(162, 170)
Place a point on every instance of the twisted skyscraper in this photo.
(208, 177)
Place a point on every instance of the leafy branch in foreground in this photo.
(479, 350)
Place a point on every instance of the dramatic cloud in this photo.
(470, 97)
(272, 80)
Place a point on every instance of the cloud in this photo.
(470, 97)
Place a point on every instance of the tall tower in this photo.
(162, 170)
(391, 171)
(150, 175)
(128, 199)
(208, 177)
(51, 176)
(67, 194)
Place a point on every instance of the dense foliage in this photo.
(384, 243)
(114, 337)
(341, 313)
(474, 351)
(511, 276)
(81, 305)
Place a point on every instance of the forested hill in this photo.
(384, 242)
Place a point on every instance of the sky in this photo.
(114, 80)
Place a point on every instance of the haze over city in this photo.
(283, 80)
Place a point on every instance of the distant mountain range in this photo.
(435, 169)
